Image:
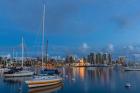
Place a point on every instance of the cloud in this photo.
(110, 47)
(85, 46)
(130, 47)
(81, 50)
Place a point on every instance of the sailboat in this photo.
(44, 79)
(19, 72)
(46, 89)
(2, 70)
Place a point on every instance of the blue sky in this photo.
(71, 26)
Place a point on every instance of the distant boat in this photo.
(128, 85)
(19, 72)
(133, 68)
(5, 69)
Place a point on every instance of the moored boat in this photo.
(128, 85)
(17, 73)
(2, 70)
(43, 80)
(131, 68)
(47, 89)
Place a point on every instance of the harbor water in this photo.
(80, 80)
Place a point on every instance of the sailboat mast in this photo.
(12, 60)
(13, 54)
(47, 52)
(22, 51)
(43, 30)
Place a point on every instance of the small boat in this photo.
(43, 80)
(17, 73)
(127, 85)
(131, 69)
(2, 70)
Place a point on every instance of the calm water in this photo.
(81, 80)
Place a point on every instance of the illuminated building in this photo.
(99, 58)
(92, 58)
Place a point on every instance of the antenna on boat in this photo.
(22, 51)
(43, 30)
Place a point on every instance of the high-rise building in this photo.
(109, 58)
(105, 58)
(69, 59)
(122, 59)
(99, 58)
(92, 58)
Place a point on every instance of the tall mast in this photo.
(12, 60)
(43, 30)
(16, 57)
(22, 51)
(47, 52)
(13, 54)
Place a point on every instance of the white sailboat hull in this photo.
(43, 81)
(20, 74)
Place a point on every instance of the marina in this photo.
(79, 80)
(69, 46)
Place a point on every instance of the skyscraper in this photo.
(92, 58)
(109, 58)
(105, 58)
(99, 58)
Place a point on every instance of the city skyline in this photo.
(71, 26)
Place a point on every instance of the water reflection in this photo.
(47, 89)
(79, 80)
(17, 85)
(93, 74)
(81, 72)
(15, 80)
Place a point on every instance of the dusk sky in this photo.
(71, 26)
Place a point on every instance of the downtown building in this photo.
(100, 58)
